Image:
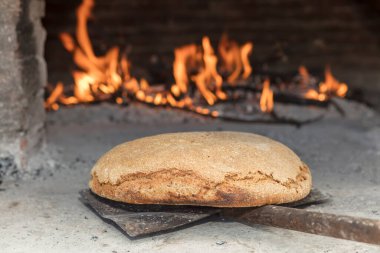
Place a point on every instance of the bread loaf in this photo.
(221, 169)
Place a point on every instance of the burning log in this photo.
(291, 98)
(303, 89)
(281, 96)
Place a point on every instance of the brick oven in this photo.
(285, 35)
(23, 78)
(78, 77)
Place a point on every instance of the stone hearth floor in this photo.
(43, 214)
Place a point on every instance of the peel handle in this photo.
(338, 226)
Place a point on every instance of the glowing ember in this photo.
(314, 94)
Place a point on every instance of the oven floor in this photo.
(45, 215)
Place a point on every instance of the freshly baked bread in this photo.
(222, 169)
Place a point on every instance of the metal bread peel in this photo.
(143, 220)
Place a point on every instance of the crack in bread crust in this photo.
(289, 183)
(184, 187)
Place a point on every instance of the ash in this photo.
(45, 214)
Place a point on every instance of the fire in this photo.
(183, 56)
(329, 87)
(235, 58)
(304, 74)
(208, 75)
(266, 99)
(98, 77)
(54, 96)
(108, 76)
(205, 63)
(245, 51)
(332, 86)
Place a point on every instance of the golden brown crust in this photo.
(168, 186)
(223, 169)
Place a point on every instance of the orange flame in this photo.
(67, 41)
(180, 68)
(235, 59)
(208, 80)
(332, 86)
(304, 74)
(245, 51)
(98, 75)
(329, 87)
(109, 76)
(104, 77)
(266, 99)
(51, 101)
(208, 75)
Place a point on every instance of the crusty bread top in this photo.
(211, 155)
